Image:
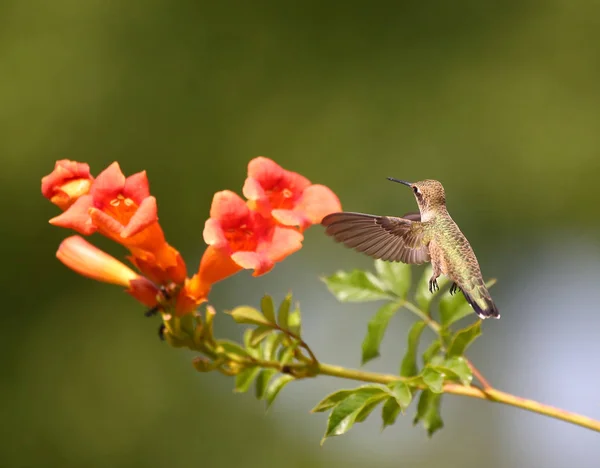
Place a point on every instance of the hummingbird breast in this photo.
(452, 254)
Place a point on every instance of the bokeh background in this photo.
(498, 100)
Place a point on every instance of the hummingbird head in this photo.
(429, 193)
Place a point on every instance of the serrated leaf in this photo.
(259, 334)
(356, 286)
(268, 308)
(463, 338)
(376, 330)
(401, 393)
(432, 350)
(343, 415)
(457, 368)
(284, 312)
(368, 407)
(262, 380)
(409, 366)
(389, 412)
(334, 398)
(275, 387)
(422, 295)
(428, 411)
(434, 379)
(395, 276)
(295, 322)
(246, 314)
(245, 378)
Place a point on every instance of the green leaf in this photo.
(284, 312)
(457, 368)
(275, 387)
(245, 378)
(428, 411)
(434, 379)
(231, 348)
(395, 276)
(432, 351)
(422, 295)
(453, 308)
(259, 334)
(270, 345)
(295, 322)
(356, 286)
(344, 414)
(463, 338)
(287, 354)
(389, 412)
(368, 407)
(409, 362)
(334, 398)
(401, 393)
(262, 381)
(246, 314)
(268, 308)
(376, 329)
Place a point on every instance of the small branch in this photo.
(479, 376)
(353, 374)
(472, 391)
(436, 327)
(498, 396)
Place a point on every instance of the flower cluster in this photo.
(241, 234)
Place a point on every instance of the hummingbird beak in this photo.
(408, 184)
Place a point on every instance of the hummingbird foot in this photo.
(433, 285)
(454, 288)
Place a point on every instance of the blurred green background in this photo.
(498, 100)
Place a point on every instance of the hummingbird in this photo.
(428, 236)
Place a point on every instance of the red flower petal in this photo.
(137, 187)
(284, 242)
(272, 176)
(213, 234)
(64, 171)
(291, 218)
(317, 202)
(229, 208)
(106, 224)
(260, 263)
(77, 217)
(144, 216)
(109, 183)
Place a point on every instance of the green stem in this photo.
(472, 391)
(436, 327)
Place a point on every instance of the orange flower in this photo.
(81, 256)
(123, 210)
(192, 294)
(287, 196)
(239, 238)
(66, 183)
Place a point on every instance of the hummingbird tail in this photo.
(483, 306)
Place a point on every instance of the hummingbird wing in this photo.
(383, 237)
(413, 216)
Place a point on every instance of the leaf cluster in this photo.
(419, 377)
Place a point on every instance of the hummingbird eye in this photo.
(416, 190)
